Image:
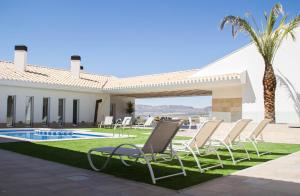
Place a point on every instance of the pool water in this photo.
(37, 135)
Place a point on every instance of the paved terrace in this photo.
(24, 175)
(20, 174)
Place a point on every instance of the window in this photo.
(29, 111)
(11, 107)
(75, 111)
(46, 111)
(61, 111)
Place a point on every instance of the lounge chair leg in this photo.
(248, 156)
(196, 159)
(124, 162)
(220, 160)
(180, 162)
(231, 154)
(136, 160)
(150, 170)
(89, 156)
(255, 147)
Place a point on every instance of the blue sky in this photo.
(127, 37)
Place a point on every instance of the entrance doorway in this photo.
(96, 111)
(75, 112)
(11, 111)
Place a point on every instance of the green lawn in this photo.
(74, 153)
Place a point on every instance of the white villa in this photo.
(34, 95)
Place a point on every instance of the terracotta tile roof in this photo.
(60, 77)
(150, 79)
(167, 79)
(51, 76)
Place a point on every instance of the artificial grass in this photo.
(74, 153)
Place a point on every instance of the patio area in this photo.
(41, 177)
(51, 173)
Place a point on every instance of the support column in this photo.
(227, 104)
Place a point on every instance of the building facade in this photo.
(42, 96)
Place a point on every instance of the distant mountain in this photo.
(170, 110)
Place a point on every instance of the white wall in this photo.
(86, 104)
(287, 61)
(104, 107)
(121, 105)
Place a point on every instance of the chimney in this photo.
(75, 66)
(20, 59)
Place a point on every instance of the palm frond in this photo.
(291, 26)
(283, 31)
(268, 38)
(275, 12)
(241, 25)
(248, 14)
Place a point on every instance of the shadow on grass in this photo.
(137, 172)
(227, 157)
(253, 152)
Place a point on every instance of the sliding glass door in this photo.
(46, 111)
(11, 110)
(61, 111)
(75, 111)
(29, 111)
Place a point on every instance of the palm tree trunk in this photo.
(269, 83)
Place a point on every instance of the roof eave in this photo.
(19, 83)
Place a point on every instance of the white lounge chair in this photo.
(154, 149)
(108, 122)
(147, 123)
(126, 123)
(232, 140)
(256, 136)
(198, 142)
(191, 124)
(202, 120)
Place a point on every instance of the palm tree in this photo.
(267, 41)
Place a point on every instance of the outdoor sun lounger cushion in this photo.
(256, 135)
(230, 141)
(156, 145)
(108, 121)
(199, 141)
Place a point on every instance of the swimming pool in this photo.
(50, 134)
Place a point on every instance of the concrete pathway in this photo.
(24, 175)
(276, 177)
